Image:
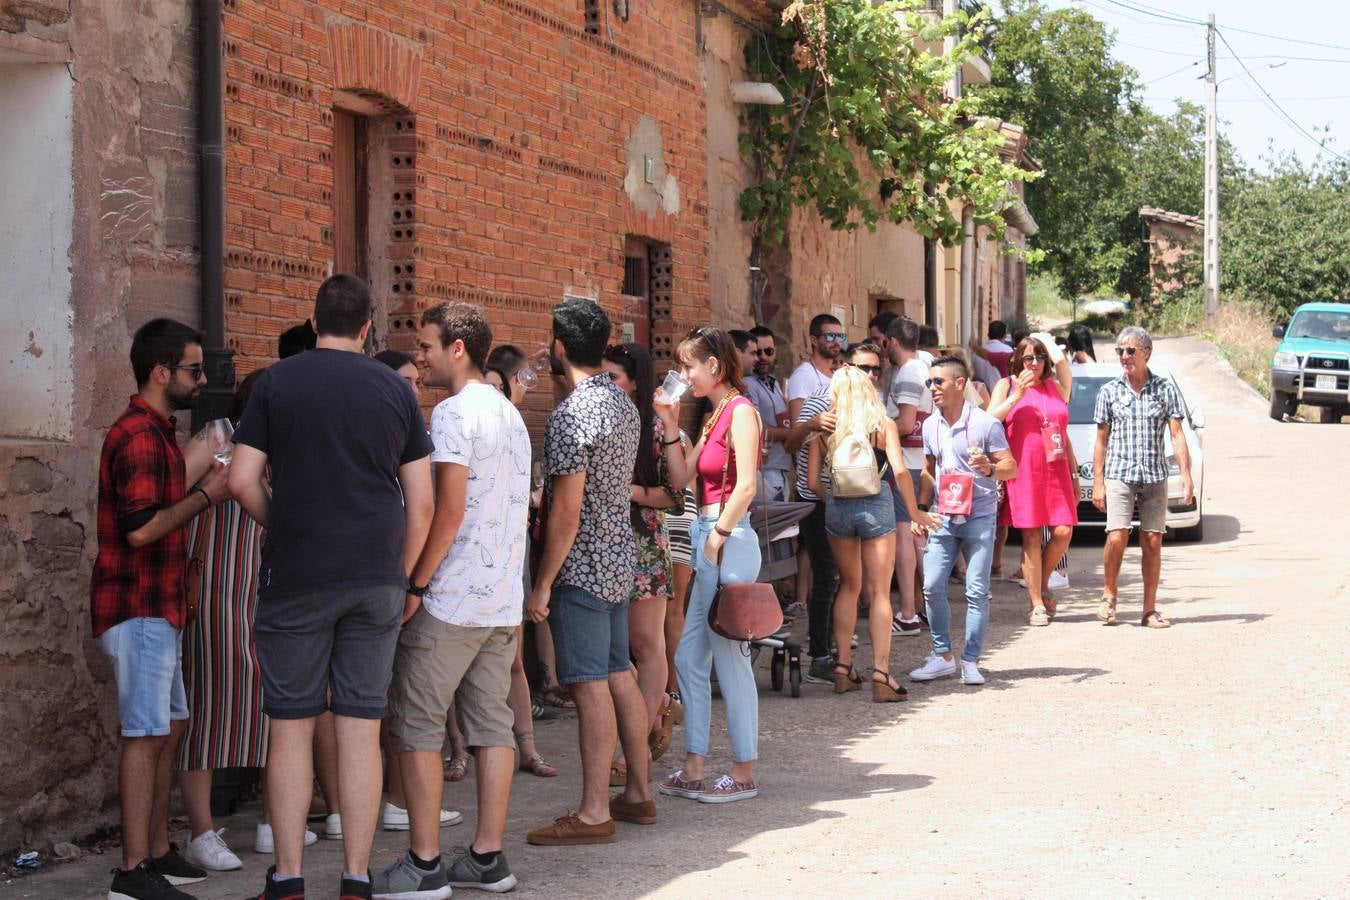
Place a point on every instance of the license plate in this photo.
(1325, 383)
(1084, 494)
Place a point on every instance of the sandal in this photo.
(1040, 617)
(618, 774)
(659, 741)
(556, 696)
(887, 691)
(1154, 619)
(1051, 606)
(456, 768)
(846, 679)
(1106, 611)
(533, 762)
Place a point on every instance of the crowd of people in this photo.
(340, 593)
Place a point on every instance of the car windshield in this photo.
(1084, 399)
(1325, 326)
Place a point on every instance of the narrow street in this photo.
(1120, 762)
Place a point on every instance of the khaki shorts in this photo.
(438, 664)
(1120, 499)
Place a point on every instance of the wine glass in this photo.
(220, 439)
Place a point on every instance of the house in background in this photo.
(1175, 244)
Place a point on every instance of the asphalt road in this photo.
(1120, 762)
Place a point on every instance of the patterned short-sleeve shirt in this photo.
(1135, 451)
(595, 430)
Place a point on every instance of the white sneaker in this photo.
(332, 827)
(1058, 580)
(934, 667)
(208, 851)
(264, 843)
(395, 818)
(970, 673)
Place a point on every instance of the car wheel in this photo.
(1281, 405)
(1194, 534)
(1331, 415)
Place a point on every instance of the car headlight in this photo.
(1286, 360)
(1173, 470)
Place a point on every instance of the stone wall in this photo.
(132, 256)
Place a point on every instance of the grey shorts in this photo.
(438, 664)
(1120, 500)
(328, 649)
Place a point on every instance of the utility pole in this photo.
(1211, 179)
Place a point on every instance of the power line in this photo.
(1123, 16)
(1318, 59)
(1155, 13)
(1161, 99)
(1189, 65)
(1276, 37)
(1275, 106)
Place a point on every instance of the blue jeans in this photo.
(976, 537)
(700, 647)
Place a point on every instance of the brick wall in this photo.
(511, 166)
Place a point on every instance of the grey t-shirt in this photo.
(773, 412)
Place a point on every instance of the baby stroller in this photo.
(775, 522)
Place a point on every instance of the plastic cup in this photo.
(673, 388)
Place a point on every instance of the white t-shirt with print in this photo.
(479, 583)
(907, 387)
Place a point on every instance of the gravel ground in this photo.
(1115, 762)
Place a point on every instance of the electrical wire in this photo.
(1155, 13)
(1276, 37)
(1189, 65)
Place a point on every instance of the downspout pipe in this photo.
(219, 359)
(967, 273)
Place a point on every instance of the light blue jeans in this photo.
(700, 647)
(976, 538)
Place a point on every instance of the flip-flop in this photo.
(1154, 619)
(1106, 611)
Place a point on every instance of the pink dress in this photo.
(1042, 493)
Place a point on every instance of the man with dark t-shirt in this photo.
(346, 516)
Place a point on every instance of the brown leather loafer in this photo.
(569, 830)
(640, 813)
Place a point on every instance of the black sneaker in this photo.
(175, 869)
(143, 883)
(821, 670)
(354, 889)
(286, 889)
(467, 872)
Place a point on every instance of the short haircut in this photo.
(820, 321)
(342, 306)
(296, 340)
(952, 362)
(1136, 334)
(998, 330)
(928, 336)
(506, 358)
(506, 379)
(1019, 335)
(583, 329)
(864, 347)
(741, 338)
(394, 359)
(763, 331)
(462, 322)
(159, 342)
(882, 320)
(905, 330)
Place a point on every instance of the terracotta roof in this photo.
(1173, 218)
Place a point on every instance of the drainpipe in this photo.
(967, 273)
(930, 246)
(219, 359)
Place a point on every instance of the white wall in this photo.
(36, 221)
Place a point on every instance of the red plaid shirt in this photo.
(141, 468)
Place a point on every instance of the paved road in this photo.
(1211, 758)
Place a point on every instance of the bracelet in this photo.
(718, 528)
(205, 496)
(418, 590)
(665, 443)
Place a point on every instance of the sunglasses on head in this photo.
(1033, 358)
(765, 351)
(1126, 351)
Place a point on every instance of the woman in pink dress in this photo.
(1033, 406)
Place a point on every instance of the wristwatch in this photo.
(925, 507)
(418, 590)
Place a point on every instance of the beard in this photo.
(181, 398)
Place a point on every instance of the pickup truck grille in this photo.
(1327, 364)
(1310, 380)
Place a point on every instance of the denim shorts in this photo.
(147, 657)
(861, 517)
(590, 635)
(328, 649)
(901, 513)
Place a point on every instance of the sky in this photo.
(1308, 78)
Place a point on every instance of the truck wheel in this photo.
(1281, 405)
(1331, 415)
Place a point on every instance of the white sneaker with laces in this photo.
(395, 818)
(263, 841)
(208, 851)
(332, 827)
(970, 673)
(934, 667)
(1058, 580)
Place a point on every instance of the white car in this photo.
(1185, 521)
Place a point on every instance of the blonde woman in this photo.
(860, 529)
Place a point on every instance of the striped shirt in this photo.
(1135, 451)
(813, 406)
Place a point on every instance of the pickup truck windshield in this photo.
(1325, 326)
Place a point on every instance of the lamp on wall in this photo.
(758, 92)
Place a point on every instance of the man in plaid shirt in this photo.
(137, 595)
(1130, 463)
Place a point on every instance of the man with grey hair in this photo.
(1129, 465)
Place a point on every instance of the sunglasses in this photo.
(870, 370)
(1126, 351)
(837, 337)
(195, 369)
(938, 382)
(1030, 360)
(765, 351)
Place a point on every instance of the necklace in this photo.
(717, 413)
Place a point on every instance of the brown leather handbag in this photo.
(746, 611)
(192, 573)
